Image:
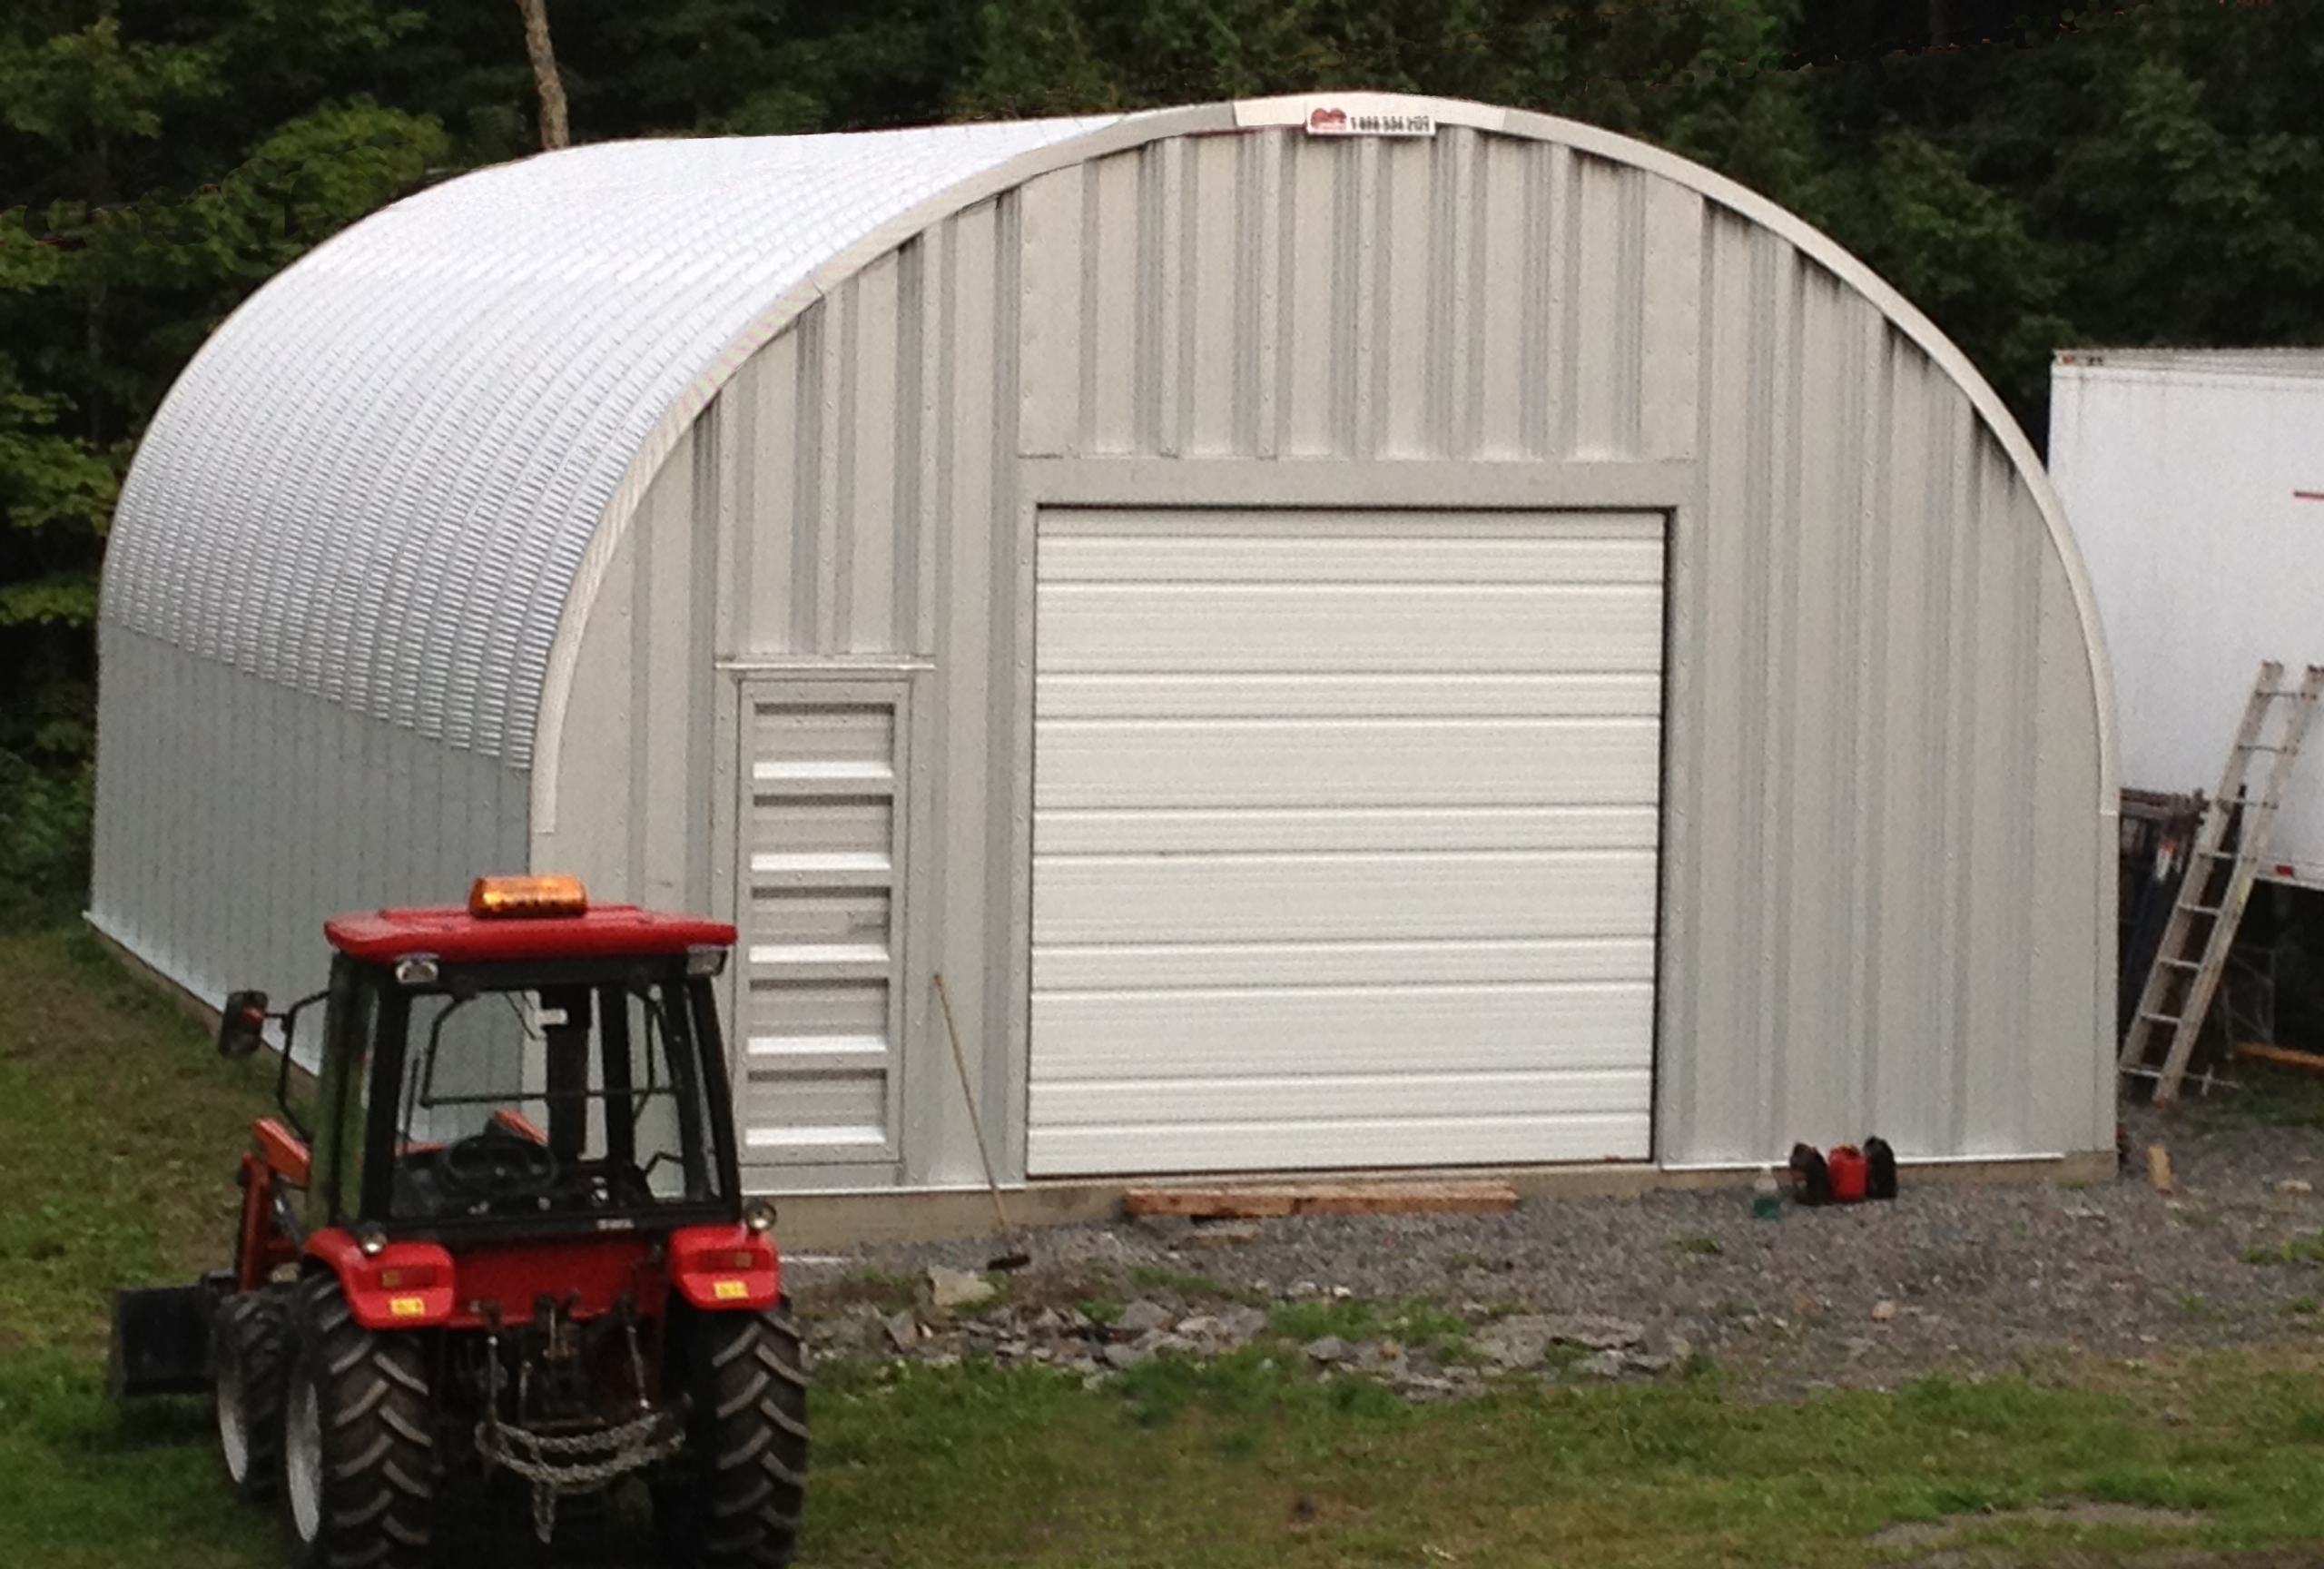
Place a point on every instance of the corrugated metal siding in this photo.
(1883, 901)
(1270, 294)
(234, 815)
(1863, 829)
(638, 818)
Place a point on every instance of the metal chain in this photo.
(553, 1463)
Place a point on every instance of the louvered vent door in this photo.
(822, 824)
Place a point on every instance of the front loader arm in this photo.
(270, 1235)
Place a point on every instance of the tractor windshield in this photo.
(530, 1101)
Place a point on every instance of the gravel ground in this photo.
(1949, 1277)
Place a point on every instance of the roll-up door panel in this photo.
(1346, 833)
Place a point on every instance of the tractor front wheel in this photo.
(249, 1345)
(731, 1498)
(358, 1439)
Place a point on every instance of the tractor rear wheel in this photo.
(732, 1495)
(249, 1351)
(358, 1440)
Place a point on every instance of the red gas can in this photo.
(1847, 1165)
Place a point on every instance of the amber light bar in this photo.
(493, 898)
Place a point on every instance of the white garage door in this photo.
(1345, 837)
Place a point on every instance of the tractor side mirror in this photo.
(242, 1023)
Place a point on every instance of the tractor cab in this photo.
(527, 1065)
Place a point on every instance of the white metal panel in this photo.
(2191, 482)
(1344, 839)
(1325, 626)
(237, 816)
(1112, 1037)
(1063, 967)
(1345, 1144)
(1201, 896)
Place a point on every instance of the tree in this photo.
(555, 132)
(104, 295)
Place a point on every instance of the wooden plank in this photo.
(1260, 1201)
(2283, 1055)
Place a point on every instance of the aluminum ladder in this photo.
(2193, 953)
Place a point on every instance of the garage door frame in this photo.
(1671, 486)
(1634, 493)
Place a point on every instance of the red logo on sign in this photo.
(1327, 120)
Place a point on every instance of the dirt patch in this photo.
(2085, 1512)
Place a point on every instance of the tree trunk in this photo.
(554, 133)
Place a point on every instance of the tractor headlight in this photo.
(704, 960)
(417, 969)
(759, 1215)
(371, 1241)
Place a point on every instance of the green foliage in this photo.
(44, 841)
(47, 479)
(105, 293)
(1958, 249)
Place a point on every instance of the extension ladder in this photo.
(2193, 950)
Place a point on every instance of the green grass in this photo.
(2266, 1093)
(1194, 1288)
(118, 1130)
(2306, 1248)
(1348, 1318)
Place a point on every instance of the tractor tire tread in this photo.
(257, 1324)
(377, 1425)
(741, 1478)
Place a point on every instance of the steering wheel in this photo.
(497, 1163)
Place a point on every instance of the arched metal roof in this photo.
(377, 480)
(394, 476)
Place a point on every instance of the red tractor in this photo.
(513, 1238)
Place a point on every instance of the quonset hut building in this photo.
(1353, 632)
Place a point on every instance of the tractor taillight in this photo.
(496, 898)
(718, 1267)
(410, 1278)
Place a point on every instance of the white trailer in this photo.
(2193, 481)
